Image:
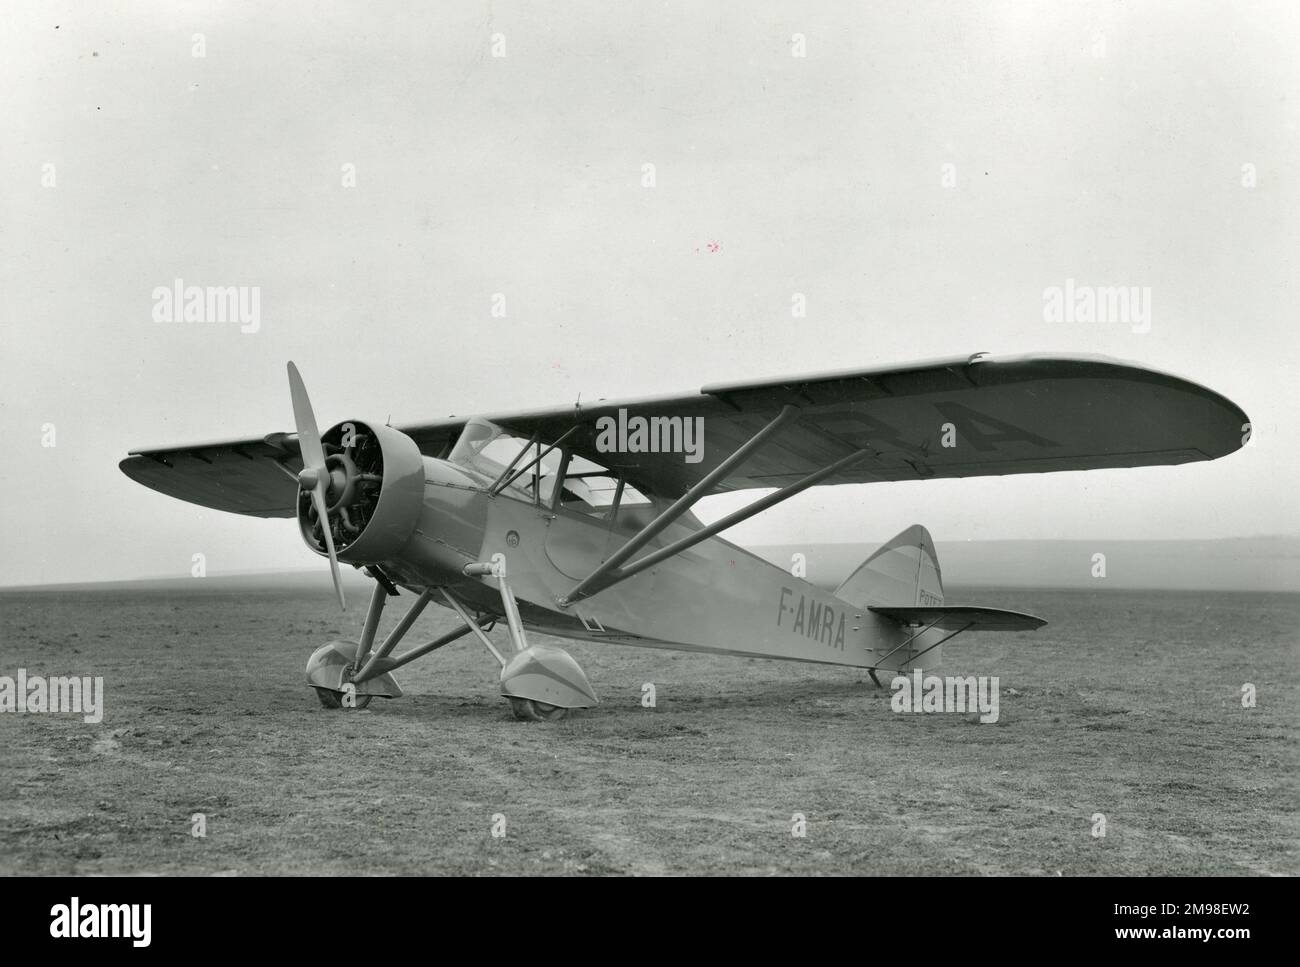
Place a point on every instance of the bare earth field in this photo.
(1127, 704)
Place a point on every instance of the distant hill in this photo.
(1229, 564)
(296, 580)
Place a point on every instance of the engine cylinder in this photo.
(375, 489)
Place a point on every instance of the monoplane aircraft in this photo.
(577, 521)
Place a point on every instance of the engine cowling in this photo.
(374, 494)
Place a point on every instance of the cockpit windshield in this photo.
(588, 488)
(489, 449)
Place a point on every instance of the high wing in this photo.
(1029, 414)
(951, 618)
(255, 477)
(962, 417)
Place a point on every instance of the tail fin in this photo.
(903, 571)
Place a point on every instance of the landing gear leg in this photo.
(543, 683)
(336, 670)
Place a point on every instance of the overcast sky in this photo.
(1139, 144)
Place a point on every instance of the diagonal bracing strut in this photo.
(473, 625)
(585, 587)
(378, 662)
(612, 571)
(911, 658)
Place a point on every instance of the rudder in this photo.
(902, 571)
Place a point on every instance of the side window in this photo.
(490, 450)
(591, 489)
(536, 482)
(632, 498)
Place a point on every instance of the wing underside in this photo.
(243, 477)
(973, 416)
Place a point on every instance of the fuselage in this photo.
(712, 597)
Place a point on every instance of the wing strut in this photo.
(611, 571)
(912, 658)
(502, 482)
(588, 585)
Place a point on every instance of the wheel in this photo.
(531, 711)
(332, 699)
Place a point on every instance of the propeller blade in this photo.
(313, 458)
(313, 454)
(318, 498)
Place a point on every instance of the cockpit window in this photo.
(588, 487)
(591, 489)
(489, 449)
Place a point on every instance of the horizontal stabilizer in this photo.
(961, 619)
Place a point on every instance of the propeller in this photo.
(315, 475)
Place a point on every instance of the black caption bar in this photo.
(138, 917)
